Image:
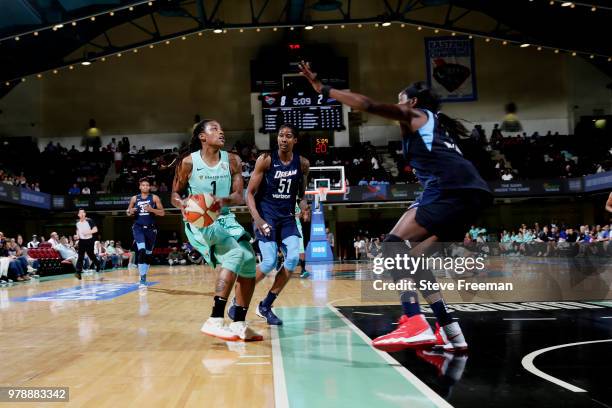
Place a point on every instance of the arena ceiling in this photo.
(40, 36)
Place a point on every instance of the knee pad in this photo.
(267, 265)
(141, 256)
(291, 261)
(269, 251)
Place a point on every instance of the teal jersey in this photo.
(216, 180)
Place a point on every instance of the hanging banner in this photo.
(450, 68)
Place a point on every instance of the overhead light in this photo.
(308, 27)
(470, 37)
(359, 25)
(103, 59)
(150, 3)
(112, 13)
(592, 56)
(487, 39)
(556, 51)
(574, 54)
(167, 42)
(119, 55)
(35, 33)
(183, 38)
(38, 76)
(566, 4)
(242, 30)
(386, 24)
(225, 31)
(342, 26)
(131, 8)
(453, 33)
(217, 31)
(7, 83)
(71, 67)
(325, 27)
(275, 29)
(74, 23)
(593, 8)
(505, 42)
(17, 38)
(199, 34)
(539, 48)
(135, 50)
(419, 28)
(436, 31)
(55, 71)
(23, 79)
(402, 25)
(151, 46)
(93, 18)
(609, 59)
(57, 27)
(525, 45)
(291, 28)
(573, 5)
(86, 63)
(258, 29)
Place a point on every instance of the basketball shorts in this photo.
(144, 235)
(450, 214)
(280, 229)
(224, 243)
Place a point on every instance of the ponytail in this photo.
(427, 99)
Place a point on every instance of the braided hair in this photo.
(427, 99)
(194, 144)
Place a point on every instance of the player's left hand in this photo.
(306, 71)
(148, 208)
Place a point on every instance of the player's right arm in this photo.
(181, 181)
(131, 210)
(261, 165)
(609, 203)
(413, 118)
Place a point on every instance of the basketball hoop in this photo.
(323, 193)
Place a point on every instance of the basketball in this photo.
(200, 210)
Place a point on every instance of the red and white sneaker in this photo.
(450, 338)
(412, 332)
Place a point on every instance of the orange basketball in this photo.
(200, 210)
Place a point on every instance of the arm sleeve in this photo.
(91, 223)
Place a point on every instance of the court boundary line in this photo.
(403, 371)
(281, 398)
(527, 363)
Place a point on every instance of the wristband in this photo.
(325, 89)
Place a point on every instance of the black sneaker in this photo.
(78, 275)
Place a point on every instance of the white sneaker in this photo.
(31, 270)
(244, 332)
(450, 338)
(215, 327)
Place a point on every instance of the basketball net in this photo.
(321, 196)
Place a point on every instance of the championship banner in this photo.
(450, 68)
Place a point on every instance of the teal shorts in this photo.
(224, 243)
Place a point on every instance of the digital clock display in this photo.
(304, 110)
(321, 145)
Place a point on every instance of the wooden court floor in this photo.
(115, 345)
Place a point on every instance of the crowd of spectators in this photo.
(542, 241)
(502, 155)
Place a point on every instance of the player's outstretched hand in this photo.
(306, 71)
(263, 227)
(131, 211)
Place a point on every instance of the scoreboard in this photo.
(302, 109)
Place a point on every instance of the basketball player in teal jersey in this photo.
(211, 170)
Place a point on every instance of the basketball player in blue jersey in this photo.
(210, 170)
(278, 180)
(145, 207)
(453, 197)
